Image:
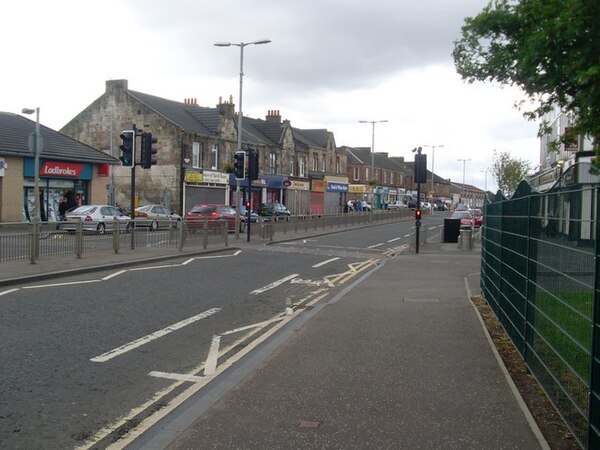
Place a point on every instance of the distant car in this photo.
(98, 218)
(462, 207)
(254, 217)
(439, 207)
(155, 217)
(273, 210)
(397, 205)
(466, 219)
(211, 214)
(478, 218)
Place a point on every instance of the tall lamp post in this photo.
(433, 147)
(464, 161)
(372, 122)
(37, 149)
(241, 45)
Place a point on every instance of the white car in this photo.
(98, 218)
(397, 205)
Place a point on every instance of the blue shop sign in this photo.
(337, 187)
(269, 181)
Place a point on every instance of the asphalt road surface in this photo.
(85, 359)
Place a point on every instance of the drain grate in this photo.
(308, 424)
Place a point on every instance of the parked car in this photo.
(478, 218)
(155, 217)
(213, 214)
(274, 210)
(397, 205)
(254, 217)
(466, 219)
(98, 218)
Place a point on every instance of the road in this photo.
(86, 358)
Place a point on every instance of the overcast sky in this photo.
(330, 64)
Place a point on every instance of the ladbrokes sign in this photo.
(61, 170)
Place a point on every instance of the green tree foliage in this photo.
(548, 48)
(508, 172)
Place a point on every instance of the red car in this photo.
(478, 218)
(213, 214)
(466, 219)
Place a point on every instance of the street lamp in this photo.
(433, 147)
(241, 45)
(372, 122)
(486, 171)
(464, 161)
(37, 149)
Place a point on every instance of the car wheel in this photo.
(101, 228)
(154, 225)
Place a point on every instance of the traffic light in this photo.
(239, 165)
(127, 148)
(148, 151)
(253, 164)
(418, 214)
(420, 168)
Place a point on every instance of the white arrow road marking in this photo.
(176, 376)
(151, 337)
(254, 325)
(274, 284)
(210, 366)
(325, 262)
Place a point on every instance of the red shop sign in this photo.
(61, 170)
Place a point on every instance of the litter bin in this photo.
(451, 230)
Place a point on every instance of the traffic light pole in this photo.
(132, 199)
(249, 208)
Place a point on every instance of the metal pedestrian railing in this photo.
(540, 274)
(30, 242)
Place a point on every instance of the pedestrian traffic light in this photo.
(420, 168)
(253, 164)
(127, 148)
(239, 165)
(148, 151)
(418, 214)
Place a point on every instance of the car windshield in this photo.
(461, 215)
(83, 210)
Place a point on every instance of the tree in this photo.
(548, 48)
(508, 172)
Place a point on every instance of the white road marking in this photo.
(274, 284)
(325, 262)
(71, 283)
(176, 376)
(249, 327)
(312, 282)
(395, 239)
(210, 366)
(376, 245)
(407, 235)
(9, 291)
(151, 337)
(237, 253)
(187, 261)
(116, 274)
(165, 266)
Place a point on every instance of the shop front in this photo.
(317, 196)
(58, 182)
(298, 196)
(207, 187)
(335, 196)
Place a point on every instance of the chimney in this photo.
(113, 85)
(226, 109)
(273, 116)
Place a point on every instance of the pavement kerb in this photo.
(518, 397)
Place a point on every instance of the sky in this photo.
(330, 64)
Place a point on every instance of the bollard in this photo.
(465, 240)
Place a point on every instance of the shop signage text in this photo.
(61, 170)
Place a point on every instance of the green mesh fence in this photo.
(539, 274)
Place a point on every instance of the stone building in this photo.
(196, 147)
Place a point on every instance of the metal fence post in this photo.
(79, 238)
(180, 234)
(116, 235)
(205, 236)
(594, 383)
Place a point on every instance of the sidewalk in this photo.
(401, 361)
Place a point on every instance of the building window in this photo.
(367, 174)
(385, 177)
(302, 168)
(338, 165)
(323, 164)
(272, 162)
(291, 167)
(315, 163)
(197, 155)
(356, 173)
(392, 178)
(214, 156)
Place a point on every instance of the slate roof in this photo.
(312, 137)
(14, 138)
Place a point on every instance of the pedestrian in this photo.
(62, 208)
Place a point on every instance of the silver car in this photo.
(98, 218)
(155, 217)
